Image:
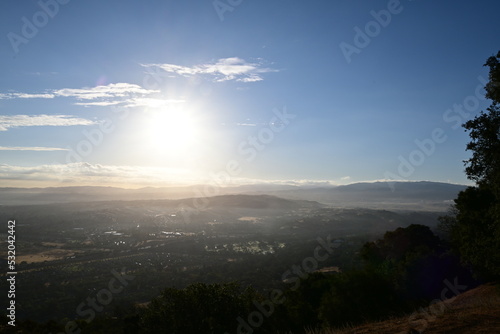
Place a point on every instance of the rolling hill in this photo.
(412, 196)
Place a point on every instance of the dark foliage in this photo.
(474, 229)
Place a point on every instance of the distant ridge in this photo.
(424, 195)
(259, 202)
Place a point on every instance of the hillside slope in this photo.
(474, 311)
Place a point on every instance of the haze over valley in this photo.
(177, 241)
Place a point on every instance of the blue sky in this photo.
(150, 93)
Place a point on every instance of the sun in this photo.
(171, 132)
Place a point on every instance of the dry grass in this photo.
(49, 255)
(474, 311)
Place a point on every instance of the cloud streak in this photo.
(16, 121)
(100, 92)
(83, 173)
(96, 174)
(224, 69)
(8, 96)
(118, 94)
(135, 102)
(34, 148)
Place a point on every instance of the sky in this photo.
(156, 93)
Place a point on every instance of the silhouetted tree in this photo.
(198, 308)
(416, 262)
(359, 296)
(400, 243)
(475, 229)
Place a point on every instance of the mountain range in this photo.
(422, 196)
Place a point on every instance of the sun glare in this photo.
(171, 133)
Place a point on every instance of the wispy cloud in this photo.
(117, 94)
(297, 183)
(83, 173)
(246, 124)
(34, 148)
(151, 102)
(99, 103)
(134, 102)
(8, 96)
(94, 174)
(100, 92)
(15, 121)
(224, 69)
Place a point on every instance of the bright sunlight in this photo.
(171, 132)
